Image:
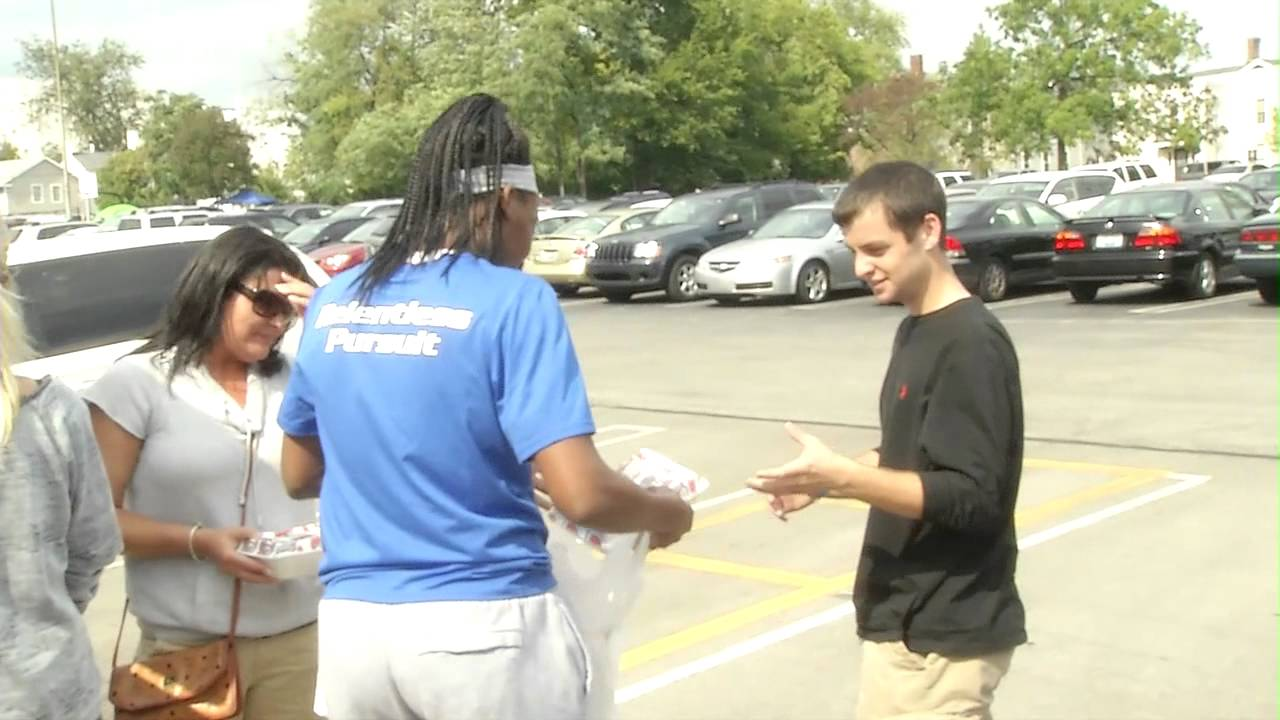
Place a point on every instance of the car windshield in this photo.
(1129, 204)
(691, 209)
(1225, 169)
(800, 223)
(1267, 180)
(584, 228)
(960, 213)
(349, 211)
(372, 233)
(302, 235)
(550, 225)
(1025, 188)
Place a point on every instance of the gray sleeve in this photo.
(93, 537)
(126, 393)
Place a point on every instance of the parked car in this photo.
(47, 231)
(947, 178)
(1133, 173)
(799, 253)
(1249, 195)
(550, 220)
(995, 245)
(148, 220)
(271, 223)
(1234, 171)
(301, 212)
(1181, 234)
(387, 207)
(1264, 182)
(560, 257)
(966, 188)
(831, 191)
(664, 255)
(1259, 255)
(359, 245)
(1198, 170)
(316, 234)
(90, 299)
(1071, 192)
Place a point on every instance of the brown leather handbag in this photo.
(198, 683)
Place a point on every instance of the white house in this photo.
(1248, 96)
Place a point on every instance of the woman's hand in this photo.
(298, 291)
(219, 546)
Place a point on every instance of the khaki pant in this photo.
(277, 673)
(903, 685)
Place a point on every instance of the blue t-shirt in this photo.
(429, 400)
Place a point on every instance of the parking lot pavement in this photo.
(1147, 513)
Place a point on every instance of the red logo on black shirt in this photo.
(902, 391)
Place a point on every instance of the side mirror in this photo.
(1057, 199)
(730, 219)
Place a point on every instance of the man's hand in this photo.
(784, 505)
(809, 474)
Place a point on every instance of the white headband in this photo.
(520, 177)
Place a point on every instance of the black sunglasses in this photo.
(267, 303)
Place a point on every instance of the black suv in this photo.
(663, 254)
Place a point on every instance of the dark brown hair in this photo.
(907, 191)
(193, 319)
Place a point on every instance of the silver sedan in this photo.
(799, 253)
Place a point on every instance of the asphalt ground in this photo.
(1147, 516)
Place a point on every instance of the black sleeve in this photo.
(967, 437)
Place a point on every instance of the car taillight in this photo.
(1159, 236)
(953, 247)
(1068, 241)
(334, 264)
(1261, 235)
(580, 251)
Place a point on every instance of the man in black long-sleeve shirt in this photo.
(937, 607)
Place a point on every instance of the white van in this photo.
(88, 300)
(1134, 173)
(1070, 192)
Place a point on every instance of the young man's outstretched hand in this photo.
(816, 472)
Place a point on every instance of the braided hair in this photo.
(440, 209)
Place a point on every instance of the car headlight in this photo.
(591, 249)
(647, 250)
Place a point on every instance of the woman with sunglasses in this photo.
(427, 384)
(172, 422)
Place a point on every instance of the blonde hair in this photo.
(13, 344)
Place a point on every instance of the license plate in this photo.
(548, 256)
(1108, 242)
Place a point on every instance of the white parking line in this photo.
(832, 304)
(632, 432)
(1021, 302)
(773, 637)
(1191, 305)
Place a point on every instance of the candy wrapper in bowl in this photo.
(599, 575)
(291, 553)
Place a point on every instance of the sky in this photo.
(227, 50)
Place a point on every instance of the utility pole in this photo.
(62, 112)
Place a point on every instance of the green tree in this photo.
(8, 151)
(98, 91)
(1084, 56)
(53, 151)
(270, 180)
(896, 119)
(193, 151)
(1181, 117)
(974, 93)
(127, 179)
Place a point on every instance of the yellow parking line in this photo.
(730, 621)
(1089, 467)
(773, 576)
(820, 587)
(1062, 505)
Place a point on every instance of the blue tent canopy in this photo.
(249, 196)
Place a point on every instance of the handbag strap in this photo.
(251, 447)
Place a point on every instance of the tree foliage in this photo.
(189, 151)
(98, 91)
(614, 94)
(8, 151)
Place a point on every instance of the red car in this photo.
(355, 248)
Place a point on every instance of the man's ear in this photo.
(930, 232)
